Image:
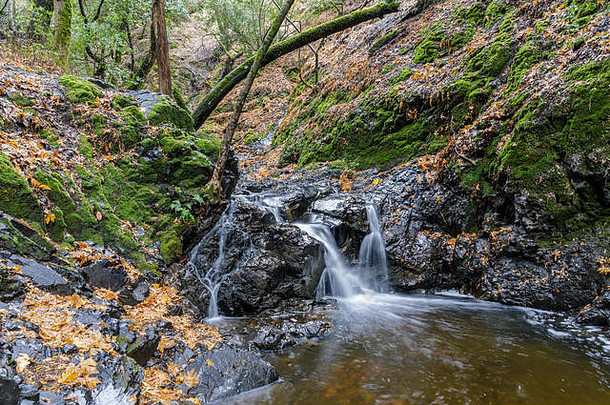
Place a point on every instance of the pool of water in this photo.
(421, 349)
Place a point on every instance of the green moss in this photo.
(545, 136)
(208, 144)
(494, 12)
(77, 213)
(385, 39)
(57, 228)
(50, 137)
(166, 113)
(526, 57)
(121, 101)
(80, 90)
(85, 148)
(134, 121)
(171, 245)
(16, 197)
(21, 100)
(98, 122)
(63, 33)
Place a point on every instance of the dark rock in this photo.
(231, 372)
(32, 348)
(51, 398)
(104, 274)
(133, 295)
(41, 276)
(144, 346)
(69, 348)
(29, 391)
(121, 377)
(9, 392)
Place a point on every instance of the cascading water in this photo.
(212, 277)
(372, 261)
(339, 279)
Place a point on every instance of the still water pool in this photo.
(427, 349)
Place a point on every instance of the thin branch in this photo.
(4, 6)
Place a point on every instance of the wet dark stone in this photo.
(9, 392)
(51, 398)
(234, 370)
(41, 276)
(104, 274)
(33, 348)
(69, 348)
(133, 295)
(29, 391)
(144, 346)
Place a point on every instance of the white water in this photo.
(341, 280)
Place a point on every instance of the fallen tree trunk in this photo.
(215, 96)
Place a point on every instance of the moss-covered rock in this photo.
(134, 120)
(74, 209)
(167, 113)
(16, 196)
(121, 101)
(551, 145)
(171, 244)
(79, 90)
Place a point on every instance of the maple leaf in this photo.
(48, 218)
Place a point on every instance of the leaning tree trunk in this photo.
(62, 22)
(227, 136)
(158, 16)
(215, 96)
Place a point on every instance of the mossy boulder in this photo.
(167, 113)
(79, 90)
(121, 101)
(134, 121)
(16, 196)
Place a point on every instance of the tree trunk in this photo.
(227, 136)
(139, 76)
(158, 16)
(215, 96)
(62, 23)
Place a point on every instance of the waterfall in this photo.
(213, 276)
(339, 279)
(372, 261)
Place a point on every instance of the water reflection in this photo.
(393, 349)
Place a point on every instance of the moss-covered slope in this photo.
(85, 164)
(511, 97)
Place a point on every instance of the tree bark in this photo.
(137, 79)
(158, 16)
(62, 22)
(259, 58)
(215, 96)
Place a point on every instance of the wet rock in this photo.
(229, 371)
(104, 274)
(32, 348)
(121, 378)
(9, 392)
(144, 347)
(29, 391)
(133, 295)
(51, 398)
(597, 313)
(41, 276)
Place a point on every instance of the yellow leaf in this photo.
(22, 362)
(50, 217)
(375, 182)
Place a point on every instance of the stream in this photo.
(448, 348)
